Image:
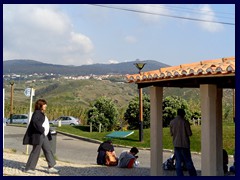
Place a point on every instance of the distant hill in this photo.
(22, 66)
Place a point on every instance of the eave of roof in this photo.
(214, 68)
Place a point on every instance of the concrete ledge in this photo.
(80, 137)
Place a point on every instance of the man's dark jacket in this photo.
(35, 129)
(105, 146)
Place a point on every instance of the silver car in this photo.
(66, 120)
(5, 121)
(18, 119)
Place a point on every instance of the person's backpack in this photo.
(111, 160)
(169, 164)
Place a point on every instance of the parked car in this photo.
(5, 121)
(66, 120)
(18, 119)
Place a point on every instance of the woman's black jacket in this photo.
(35, 129)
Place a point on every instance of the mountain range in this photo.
(24, 66)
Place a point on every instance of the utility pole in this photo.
(11, 102)
(140, 66)
(233, 103)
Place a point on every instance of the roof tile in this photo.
(206, 67)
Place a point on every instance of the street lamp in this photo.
(11, 101)
(140, 66)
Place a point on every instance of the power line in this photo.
(194, 9)
(166, 15)
(190, 10)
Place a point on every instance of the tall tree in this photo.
(132, 112)
(170, 106)
(103, 112)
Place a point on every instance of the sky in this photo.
(80, 34)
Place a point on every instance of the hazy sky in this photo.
(77, 34)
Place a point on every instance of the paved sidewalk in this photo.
(13, 164)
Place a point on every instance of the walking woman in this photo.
(38, 135)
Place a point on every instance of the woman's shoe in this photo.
(52, 170)
(29, 171)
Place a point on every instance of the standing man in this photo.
(180, 131)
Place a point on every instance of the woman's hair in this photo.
(39, 104)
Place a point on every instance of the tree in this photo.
(132, 113)
(195, 108)
(170, 106)
(105, 112)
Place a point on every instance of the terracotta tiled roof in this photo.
(215, 67)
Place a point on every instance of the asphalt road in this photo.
(75, 150)
(68, 149)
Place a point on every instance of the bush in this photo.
(104, 112)
(132, 113)
(170, 106)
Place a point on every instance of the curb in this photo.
(80, 137)
(117, 145)
(94, 140)
(99, 142)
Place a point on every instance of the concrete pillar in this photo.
(156, 95)
(211, 133)
(219, 131)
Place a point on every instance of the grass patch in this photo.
(133, 140)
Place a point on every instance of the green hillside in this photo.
(75, 96)
(68, 93)
(85, 91)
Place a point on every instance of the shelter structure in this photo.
(211, 76)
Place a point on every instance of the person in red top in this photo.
(128, 158)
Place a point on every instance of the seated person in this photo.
(128, 158)
(232, 168)
(105, 146)
(225, 161)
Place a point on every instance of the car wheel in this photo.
(72, 124)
